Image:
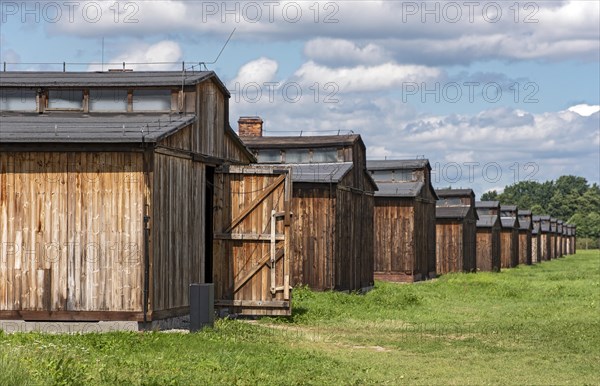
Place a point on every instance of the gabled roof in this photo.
(512, 208)
(89, 128)
(487, 204)
(486, 221)
(545, 218)
(523, 212)
(107, 79)
(398, 164)
(291, 142)
(399, 189)
(455, 193)
(320, 172)
(452, 212)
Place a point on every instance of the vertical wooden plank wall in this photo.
(71, 230)
(394, 230)
(449, 247)
(178, 230)
(314, 228)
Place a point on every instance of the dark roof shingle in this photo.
(84, 128)
(313, 141)
(454, 212)
(103, 79)
(397, 164)
(399, 189)
(486, 221)
(319, 172)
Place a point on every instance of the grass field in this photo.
(529, 325)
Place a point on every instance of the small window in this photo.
(451, 201)
(324, 155)
(294, 156)
(269, 156)
(65, 99)
(18, 100)
(383, 175)
(152, 100)
(108, 100)
(403, 175)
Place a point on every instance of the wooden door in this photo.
(252, 238)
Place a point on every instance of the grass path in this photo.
(529, 325)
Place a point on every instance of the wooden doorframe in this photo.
(272, 294)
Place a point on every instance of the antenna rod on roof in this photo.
(102, 68)
(64, 67)
(222, 49)
(4, 66)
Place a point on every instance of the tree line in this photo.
(569, 198)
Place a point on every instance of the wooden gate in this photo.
(252, 238)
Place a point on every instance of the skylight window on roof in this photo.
(297, 156)
(152, 100)
(325, 155)
(108, 100)
(269, 156)
(70, 99)
(18, 100)
(450, 201)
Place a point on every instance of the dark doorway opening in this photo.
(208, 236)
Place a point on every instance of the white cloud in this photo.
(260, 71)
(336, 51)
(584, 110)
(161, 56)
(365, 78)
(359, 32)
(492, 148)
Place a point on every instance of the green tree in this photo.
(491, 195)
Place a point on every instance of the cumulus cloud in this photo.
(484, 150)
(352, 33)
(259, 71)
(160, 56)
(344, 52)
(584, 110)
(365, 78)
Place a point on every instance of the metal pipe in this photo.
(146, 267)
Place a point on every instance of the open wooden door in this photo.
(252, 238)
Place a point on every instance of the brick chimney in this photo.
(250, 126)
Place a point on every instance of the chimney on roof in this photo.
(250, 127)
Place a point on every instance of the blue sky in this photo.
(491, 92)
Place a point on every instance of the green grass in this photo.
(529, 325)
